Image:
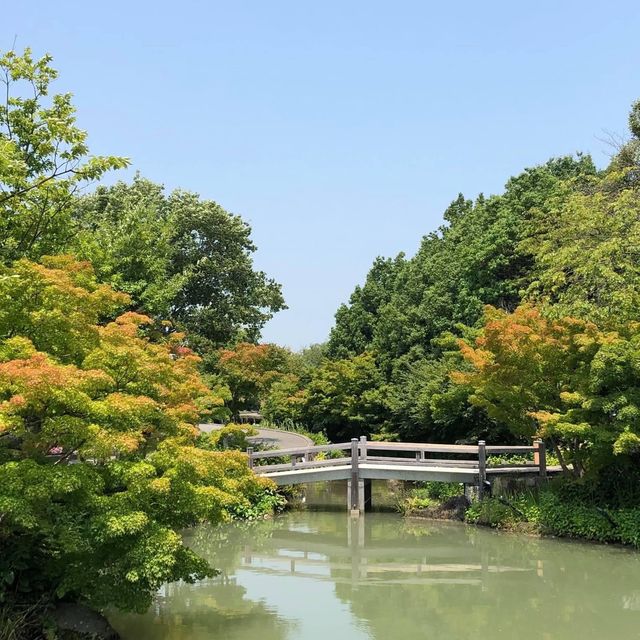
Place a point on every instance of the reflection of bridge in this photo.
(354, 561)
(359, 467)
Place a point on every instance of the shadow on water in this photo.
(309, 575)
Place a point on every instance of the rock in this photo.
(82, 622)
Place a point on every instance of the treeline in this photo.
(517, 318)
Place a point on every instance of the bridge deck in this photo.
(373, 471)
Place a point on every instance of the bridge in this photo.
(362, 460)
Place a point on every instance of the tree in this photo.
(426, 406)
(179, 257)
(355, 324)
(285, 401)
(44, 159)
(587, 255)
(563, 379)
(344, 398)
(105, 529)
(249, 370)
(406, 306)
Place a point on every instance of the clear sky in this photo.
(339, 130)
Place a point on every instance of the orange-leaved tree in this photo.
(250, 370)
(80, 384)
(562, 379)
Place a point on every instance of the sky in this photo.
(340, 130)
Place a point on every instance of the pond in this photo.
(310, 575)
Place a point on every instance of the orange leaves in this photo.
(525, 367)
(69, 383)
(559, 378)
(250, 370)
(39, 379)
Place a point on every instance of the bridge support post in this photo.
(367, 499)
(540, 458)
(363, 498)
(482, 468)
(353, 486)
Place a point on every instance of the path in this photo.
(269, 437)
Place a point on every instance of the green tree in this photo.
(587, 255)
(425, 405)
(406, 306)
(355, 323)
(344, 398)
(250, 370)
(179, 257)
(44, 159)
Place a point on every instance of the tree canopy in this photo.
(555, 258)
(101, 391)
(44, 159)
(179, 257)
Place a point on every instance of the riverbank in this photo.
(544, 512)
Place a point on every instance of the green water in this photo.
(321, 575)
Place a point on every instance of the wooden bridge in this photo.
(362, 460)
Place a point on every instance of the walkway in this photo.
(268, 437)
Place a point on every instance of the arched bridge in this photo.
(362, 460)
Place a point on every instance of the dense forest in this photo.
(130, 315)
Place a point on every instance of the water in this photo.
(320, 575)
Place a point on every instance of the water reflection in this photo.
(314, 575)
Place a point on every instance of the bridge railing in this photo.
(360, 451)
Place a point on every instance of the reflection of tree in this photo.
(209, 609)
(215, 608)
(223, 546)
(404, 579)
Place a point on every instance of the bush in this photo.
(428, 494)
(231, 436)
(549, 512)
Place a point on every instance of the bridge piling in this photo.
(482, 468)
(353, 486)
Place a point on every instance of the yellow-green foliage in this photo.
(124, 407)
(231, 436)
(563, 379)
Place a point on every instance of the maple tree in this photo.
(563, 379)
(124, 407)
(250, 370)
(44, 159)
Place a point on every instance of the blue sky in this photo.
(339, 130)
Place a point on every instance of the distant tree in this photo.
(249, 370)
(286, 400)
(344, 398)
(356, 322)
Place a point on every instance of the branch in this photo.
(21, 192)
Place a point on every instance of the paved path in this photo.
(269, 437)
